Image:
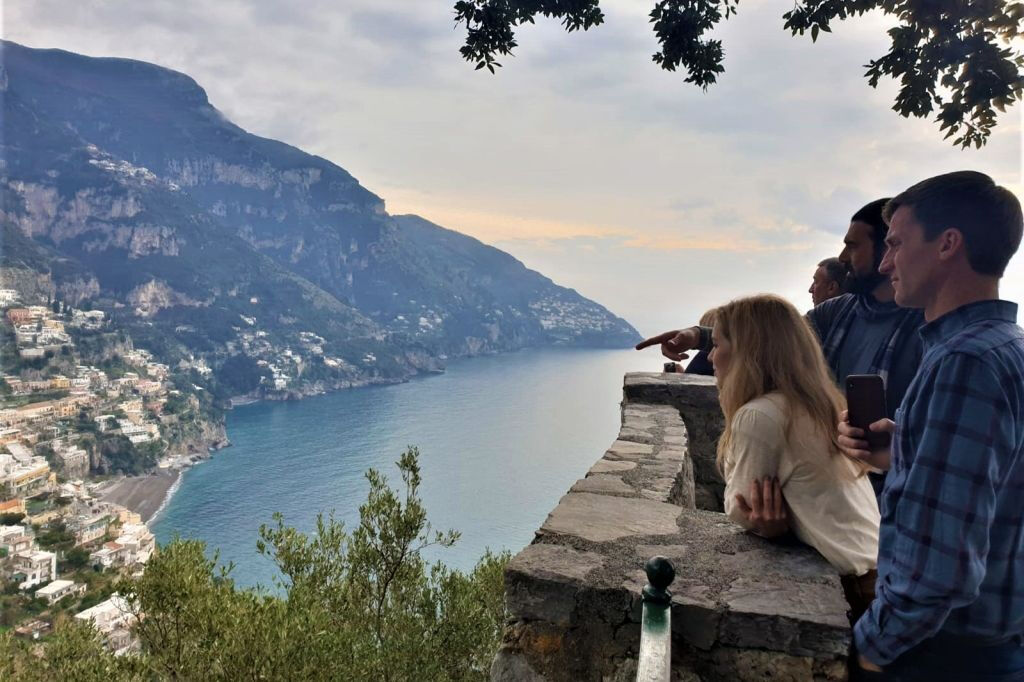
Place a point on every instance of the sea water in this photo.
(501, 439)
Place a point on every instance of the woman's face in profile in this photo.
(721, 352)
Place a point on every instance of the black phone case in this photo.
(865, 399)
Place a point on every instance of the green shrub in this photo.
(363, 605)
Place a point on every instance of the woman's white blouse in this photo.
(832, 507)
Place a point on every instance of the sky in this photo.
(580, 157)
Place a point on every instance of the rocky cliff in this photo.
(135, 194)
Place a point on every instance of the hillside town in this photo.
(62, 422)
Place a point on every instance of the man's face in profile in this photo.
(823, 287)
(858, 256)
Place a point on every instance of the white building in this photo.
(59, 589)
(19, 479)
(76, 462)
(89, 527)
(36, 566)
(110, 555)
(129, 428)
(134, 545)
(113, 619)
(8, 297)
(92, 319)
(14, 539)
(138, 433)
(138, 543)
(21, 454)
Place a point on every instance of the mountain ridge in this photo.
(203, 239)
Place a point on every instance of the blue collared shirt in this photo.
(951, 546)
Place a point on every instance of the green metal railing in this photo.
(655, 663)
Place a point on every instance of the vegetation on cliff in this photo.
(362, 605)
(202, 240)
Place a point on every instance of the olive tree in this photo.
(363, 605)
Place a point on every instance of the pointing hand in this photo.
(674, 343)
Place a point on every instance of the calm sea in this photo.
(501, 439)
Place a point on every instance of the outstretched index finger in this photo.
(657, 340)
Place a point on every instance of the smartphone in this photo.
(865, 399)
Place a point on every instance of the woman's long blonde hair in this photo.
(774, 350)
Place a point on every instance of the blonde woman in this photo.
(780, 441)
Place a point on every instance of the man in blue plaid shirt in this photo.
(950, 594)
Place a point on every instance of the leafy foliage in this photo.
(953, 58)
(11, 518)
(76, 653)
(74, 559)
(359, 606)
(56, 536)
(121, 455)
(241, 374)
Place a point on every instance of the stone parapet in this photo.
(742, 608)
(695, 397)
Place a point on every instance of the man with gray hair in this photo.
(828, 280)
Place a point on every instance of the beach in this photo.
(144, 495)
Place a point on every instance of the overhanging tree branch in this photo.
(953, 59)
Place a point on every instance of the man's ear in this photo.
(950, 243)
(834, 289)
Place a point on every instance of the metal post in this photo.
(655, 663)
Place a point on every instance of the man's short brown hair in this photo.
(987, 215)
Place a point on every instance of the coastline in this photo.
(308, 457)
(149, 494)
(179, 474)
(146, 495)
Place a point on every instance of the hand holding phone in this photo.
(853, 445)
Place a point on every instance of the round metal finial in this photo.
(660, 574)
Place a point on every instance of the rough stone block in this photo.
(509, 666)
(659, 468)
(801, 618)
(683, 490)
(623, 449)
(608, 466)
(603, 484)
(601, 518)
(679, 390)
(542, 580)
(673, 454)
(747, 665)
(636, 435)
(708, 497)
(663, 485)
(695, 617)
(676, 434)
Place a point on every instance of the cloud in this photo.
(580, 153)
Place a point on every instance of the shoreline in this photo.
(147, 495)
(179, 474)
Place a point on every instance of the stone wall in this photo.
(742, 608)
(695, 398)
